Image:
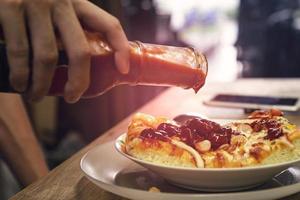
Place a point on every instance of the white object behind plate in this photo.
(108, 169)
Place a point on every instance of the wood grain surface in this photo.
(67, 181)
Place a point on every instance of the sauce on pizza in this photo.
(260, 139)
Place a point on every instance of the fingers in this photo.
(41, 15)
(77, 47)
(44, 48)
(13, 25)
(98, 20)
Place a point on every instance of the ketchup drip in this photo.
(170, 129)
(273, 128)
(191, 132)
(154, 134)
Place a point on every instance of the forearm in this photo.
(17, 141)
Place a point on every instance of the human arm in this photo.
(18, 144)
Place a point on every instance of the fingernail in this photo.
(123, 64)
(18, 87)
(71, 99)
(127, 68)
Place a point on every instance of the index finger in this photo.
(77, 48)
(14, 30)
(98, 20)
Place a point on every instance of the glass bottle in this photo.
(150, 64)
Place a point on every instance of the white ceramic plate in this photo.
(113, 172)
(211, 179)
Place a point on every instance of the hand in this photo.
(38, 20)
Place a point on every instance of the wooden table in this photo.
(68, 182)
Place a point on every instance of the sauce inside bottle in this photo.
(149, 65)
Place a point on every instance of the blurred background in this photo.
(241, 38)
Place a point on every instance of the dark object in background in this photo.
(139, 20)
(269, 38)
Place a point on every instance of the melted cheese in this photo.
(195, 154)
(254, 138)
(246, 151)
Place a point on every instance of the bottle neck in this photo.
(163, 65)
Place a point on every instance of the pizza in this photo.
(265, 137)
